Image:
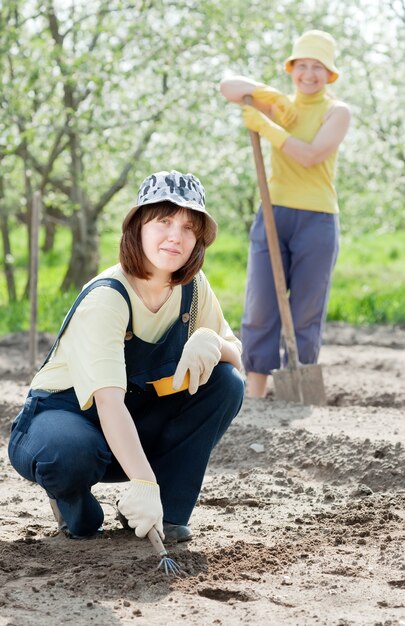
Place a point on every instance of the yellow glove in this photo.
(257, 122)
(285, 112)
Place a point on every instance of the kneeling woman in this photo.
(95, 413)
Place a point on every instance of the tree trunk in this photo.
(49, 240)
(8, 265)
(84, 256)
(52, 218)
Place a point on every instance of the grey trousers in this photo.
(309, 245)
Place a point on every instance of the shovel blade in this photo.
(303, 385)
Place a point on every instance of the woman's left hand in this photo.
(285, 112)
(201, 354)
(259, 123)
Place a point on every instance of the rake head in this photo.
(170, 567)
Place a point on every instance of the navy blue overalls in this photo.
(62, 448)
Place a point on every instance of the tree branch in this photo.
(122, 178)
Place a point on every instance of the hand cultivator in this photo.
(168, 565)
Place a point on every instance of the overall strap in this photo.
(114, 283)
(186, 297)
(146, 361)
(192, 306)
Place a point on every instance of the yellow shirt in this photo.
(90, 354)
(293, 185)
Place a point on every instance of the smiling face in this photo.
(163, 237)
(168, 242)
(309, 75)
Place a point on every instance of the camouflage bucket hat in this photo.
(184, 190)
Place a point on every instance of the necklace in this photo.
(154, 308)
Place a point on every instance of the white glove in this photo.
(142, 507)
(200, 355)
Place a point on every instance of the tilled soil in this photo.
(301, 518)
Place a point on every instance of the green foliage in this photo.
(52, 303)
(225, 266)
(52, 308)
(123, 89)
(367, 284)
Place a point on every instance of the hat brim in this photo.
(211, 227)
(333, 76)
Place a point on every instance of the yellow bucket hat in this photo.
(315, 44)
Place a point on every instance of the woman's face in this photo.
(309, 75)
(168, 242)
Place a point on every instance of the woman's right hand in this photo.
(236, 87)
(142, 507)
(120, 432)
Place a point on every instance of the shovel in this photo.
(295, 383)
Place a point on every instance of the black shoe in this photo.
(175, 533)
(99, 533)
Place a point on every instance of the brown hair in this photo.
(131, 254)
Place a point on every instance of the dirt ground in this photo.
(301, 519)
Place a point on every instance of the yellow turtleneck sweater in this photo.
(293, 185)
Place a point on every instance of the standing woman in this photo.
(143, 379)
(305, 131)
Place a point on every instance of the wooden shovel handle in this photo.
(274, 250)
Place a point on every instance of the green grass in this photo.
(368, 285)
(225, 267)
